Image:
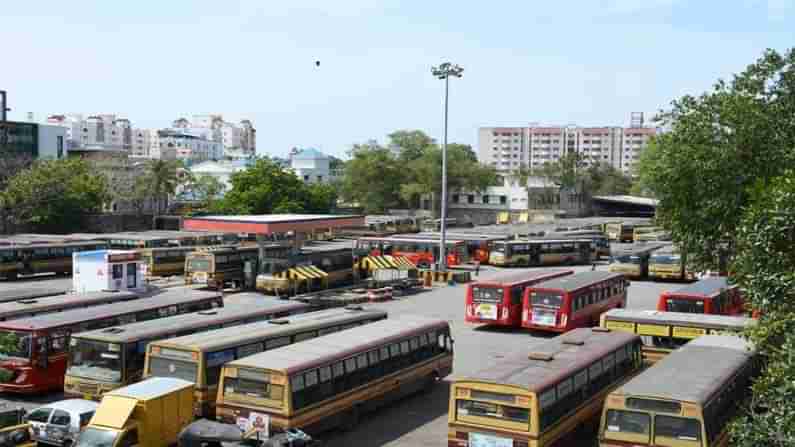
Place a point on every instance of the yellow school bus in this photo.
(685, 399)
(199, 357)
(540, 399)
(334, 380)
(663, 332)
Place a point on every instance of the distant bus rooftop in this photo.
(708, 321)
(577, 280)
(516, 277)
(271, 223)
(705, 287)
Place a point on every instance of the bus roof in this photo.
(577, 281)
(635, 249)
(666, 250)
(152, 328)
(509, 279)
(408, 239)
(17, 245)
(170, 297)
(228, 337)
(707, 287)
(322, 350)
(570, 352)
(456, 235)
(542, 240)
(709, 321)
(43, 304)
(694, 372)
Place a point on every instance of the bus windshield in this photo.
(665, 259)
(629, 259)
(491, 410)
(487, 294)
(684, 305)
(15, 344)
(499, 248)
(629, 422)
(199, 265)
(95, 360)
(546, 299)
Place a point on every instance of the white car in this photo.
(59, 423)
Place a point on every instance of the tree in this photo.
(412, 143)
(462, 173)
(266, 188)
(160, 181)
(54, 195)
(764, 265)
(373, 177)
(720, 145)
(603, 179)
(205, 188)
(725, 177)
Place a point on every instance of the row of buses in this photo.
(549, 396)
(559, 300)
(247, 354)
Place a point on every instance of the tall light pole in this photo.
(444, 71)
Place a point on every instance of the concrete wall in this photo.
(96, 223)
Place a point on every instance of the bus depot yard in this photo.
(418, 419)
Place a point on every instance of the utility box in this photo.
(95, 271)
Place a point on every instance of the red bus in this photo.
(41, 344)
(712, 295)
(478, 245)
(498, 300)
(421, 252)
(570, 302)
(30, 307)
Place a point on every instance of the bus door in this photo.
(534, 254)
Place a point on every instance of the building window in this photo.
(485, 199)
(320, 178)
(503, 200)
(455, 198)
(306, 178)
(471, 198)
(59, 146)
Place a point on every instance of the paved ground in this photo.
(421, 420)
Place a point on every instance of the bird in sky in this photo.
(317, 63)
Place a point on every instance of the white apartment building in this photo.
(185, 145)
(103, 132)
(238, 140)
(509, 148)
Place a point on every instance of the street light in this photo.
(444, 71)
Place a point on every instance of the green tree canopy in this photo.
(373, 177)
(721, 144)
(266, 188)
(412, 143)
(54, 195)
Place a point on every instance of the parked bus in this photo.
(538, 252)
(569, 302)
(218, 267)
(479, 246)
(163, 261)
(199, 357)
(498, 300)
(686, 399)
(600, 243)
(163, 238)
(421, 252)
(669, 263)
(662, 332)
(632, 261)
(539, 399)
(641, 232)
(105, 359)
(333, 380)
(25, 308)
(38, 361)
(712, 295)
(43, 257)
(620, 231)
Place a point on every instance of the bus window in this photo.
(629, 422)
(684, 305)
(668, 429)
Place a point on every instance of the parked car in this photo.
(59, 423)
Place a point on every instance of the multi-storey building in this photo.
(509, 148)
(96, 133)
(32, 140)
(239, 141)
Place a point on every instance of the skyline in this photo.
(554, 64)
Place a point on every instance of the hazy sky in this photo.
(588, 62)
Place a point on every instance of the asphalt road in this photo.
(421, 420)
